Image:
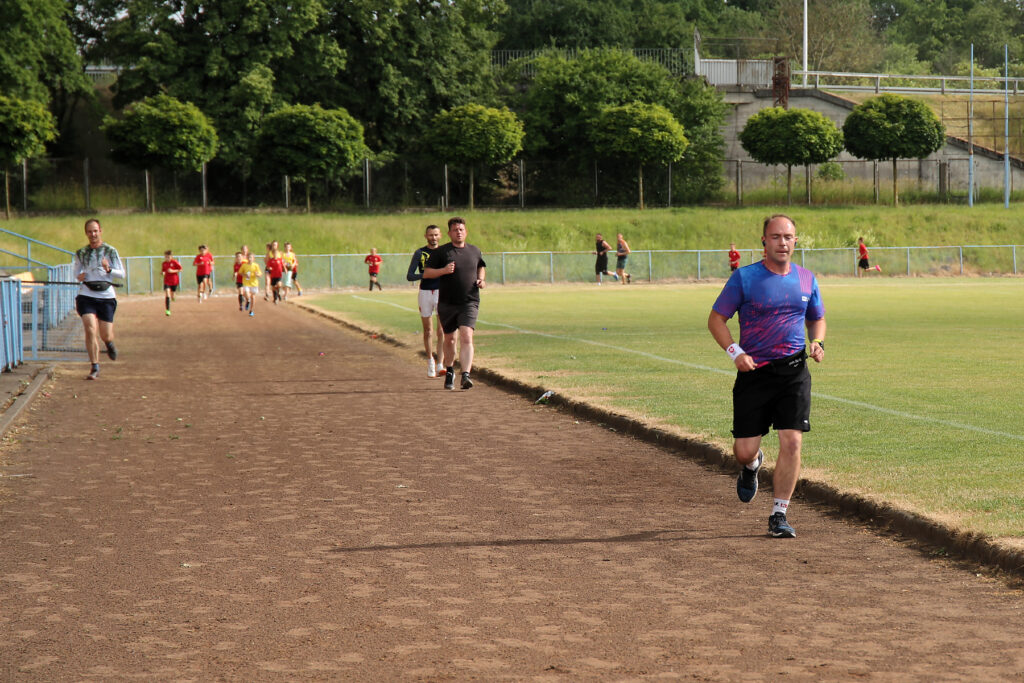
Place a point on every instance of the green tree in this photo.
(161, 131)
(840, 34)
(308, 142)
(235, 60)
(25, 128)
(473, 134)
(531, 25)
(791, 137)
(558, 103)
(644, 133)
(38, 60)
(893, 127)
(407, 60)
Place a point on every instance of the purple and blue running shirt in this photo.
(774, 309)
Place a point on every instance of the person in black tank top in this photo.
(601, 249)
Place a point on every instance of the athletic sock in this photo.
(780, 506)
(754, 466)
(167, 302)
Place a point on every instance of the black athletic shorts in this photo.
(863, 263)
(620, 262)
(200, 278)
(173, 288)
(275, 281)
(454, 317)
(601, 266)
(775, 395)
(103, 309)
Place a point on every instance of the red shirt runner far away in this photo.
(373, 260)
(171, 279)
(203, 263)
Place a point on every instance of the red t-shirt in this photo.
(203, 263)
(170, 279)
(275, 267)
(863, 249)
(374, 262)
(238, 276)
(734, 258)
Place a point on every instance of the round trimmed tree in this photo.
(475, 134)
(893, 127)
(308, 142)
(643, 133)
(791, 137)
(25, 128)
(161, 131)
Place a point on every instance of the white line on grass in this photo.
(696, 366)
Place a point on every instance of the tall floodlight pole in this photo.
(970, 136)
(805, 43)
(1006, 126)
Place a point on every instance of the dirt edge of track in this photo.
(961, 544)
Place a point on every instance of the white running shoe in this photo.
(431, 368)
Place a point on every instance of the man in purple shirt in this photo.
(776, 299)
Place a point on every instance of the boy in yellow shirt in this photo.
(250, 272)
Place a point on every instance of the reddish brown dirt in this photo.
(227, 504)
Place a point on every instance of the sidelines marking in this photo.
(707, 368)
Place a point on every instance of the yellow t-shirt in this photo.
(250, 273)
(289, 259)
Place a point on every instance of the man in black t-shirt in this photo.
(461, 274)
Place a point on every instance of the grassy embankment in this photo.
(540, 230)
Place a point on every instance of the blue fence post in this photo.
(650, 266)
(502, 267)
(551, 266)
(332, 271)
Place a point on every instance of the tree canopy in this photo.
(308, 142)
(893, 127)
(644, 133)
(162, 131)
(791, 137)
(473, 134)
(25, 128)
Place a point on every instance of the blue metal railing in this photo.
(12, 348)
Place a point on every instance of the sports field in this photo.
(917, 402)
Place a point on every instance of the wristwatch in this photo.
(819, 342)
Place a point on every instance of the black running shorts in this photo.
(863, 263)
(771, 396)
(103, 309)
(454, 317)
(601, 265)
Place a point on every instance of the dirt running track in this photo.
(227, 504)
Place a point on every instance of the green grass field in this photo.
(917, 403)
(533, 230)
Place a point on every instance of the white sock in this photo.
(780, 506)
(756, 465)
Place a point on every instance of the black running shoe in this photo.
(449, 379)
(94, 373)
(467, 383)
(746, 483)
(111, 350)
(778, 527)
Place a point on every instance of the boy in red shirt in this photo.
(240, 259)
(275, 269)
(374, 261)
(734, 257)
(170, 268)
(862, 258)
(204, 272)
